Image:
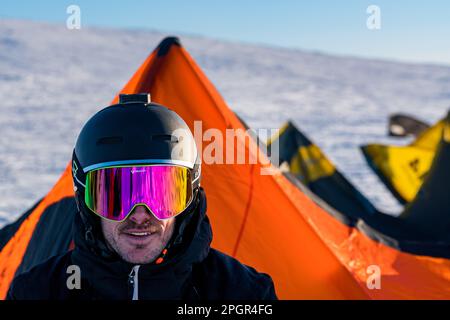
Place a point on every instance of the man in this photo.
(141, 231)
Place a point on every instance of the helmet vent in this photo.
(109, 140)
(135, 98)
(165, 137)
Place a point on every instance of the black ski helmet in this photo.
(134, 131)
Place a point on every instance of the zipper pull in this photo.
(133, 281)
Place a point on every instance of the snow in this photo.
(52, 79)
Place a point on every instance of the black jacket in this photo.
(193, 271)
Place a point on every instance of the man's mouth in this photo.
(139, 238)
(138, 233)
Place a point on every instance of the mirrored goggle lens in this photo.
(113, 192)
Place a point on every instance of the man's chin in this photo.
(138, 256)
(138, 253)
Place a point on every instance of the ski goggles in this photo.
(113, 192)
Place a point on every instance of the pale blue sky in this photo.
(410, 30)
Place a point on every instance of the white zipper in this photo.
(134, 280)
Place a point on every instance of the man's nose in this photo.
(140, 215)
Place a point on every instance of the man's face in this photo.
(140, 238)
